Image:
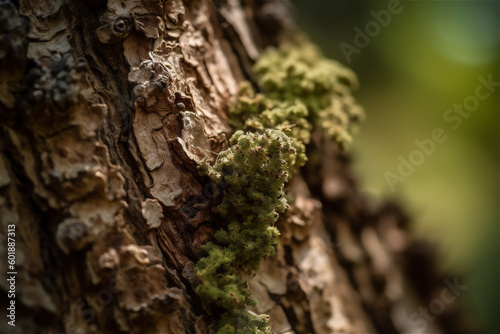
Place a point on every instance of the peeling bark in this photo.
(107, 108)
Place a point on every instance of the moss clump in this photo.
(256, 112)
(255, 168)
(300, 90)
(244, 322)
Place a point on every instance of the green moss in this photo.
(254, 169)
(255, 112)
(301, 90)
(244, 322)
(219, 283)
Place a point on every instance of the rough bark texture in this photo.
(107, 108)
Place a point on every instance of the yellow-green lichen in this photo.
(254, 169)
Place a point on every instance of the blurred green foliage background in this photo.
(425, 60)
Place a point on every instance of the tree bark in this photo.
(107, 108)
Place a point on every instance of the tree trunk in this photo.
(107, 109)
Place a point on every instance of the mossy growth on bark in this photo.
(254, 169)
(300, 91)
(256, 112)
